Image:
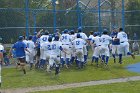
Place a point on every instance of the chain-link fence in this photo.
(20, 17)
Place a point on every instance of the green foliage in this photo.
(132, 18)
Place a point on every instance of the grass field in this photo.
(12, 78)
(129, 87)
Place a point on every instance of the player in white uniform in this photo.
(124, 45)
(56, 49)
(31, 48)
(1, 58)
(26, 53)
(105, 40)
(79, 50)
(84, 37)
(97, 50)
(43, 39)
(65, 39)
(46, 48)
(72, 36)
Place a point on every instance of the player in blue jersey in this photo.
(20, 48)
(115, 43)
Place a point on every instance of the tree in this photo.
(133, 17)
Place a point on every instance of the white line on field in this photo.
(73, 85)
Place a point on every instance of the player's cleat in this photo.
(97, 65)
(114, 60)
(67, 66)
(133, 56)
(120, 62)
(24, 71)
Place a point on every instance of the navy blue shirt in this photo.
(34, 38)
(114, 35)
(19, 47)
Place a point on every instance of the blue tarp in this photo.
(134, 67)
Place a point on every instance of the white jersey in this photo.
(79, 43)
(105, 39)
(43, 39)
(1, 48)
(122, 36)
(65, 39)
(30, 45)
(83, 36)
(56, 48)
(97, 41)
(91, 37)
(47, 47)
(72, 37)
(25, 41)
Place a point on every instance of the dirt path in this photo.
(73, 85)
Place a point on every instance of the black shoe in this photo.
(133, 56)
(24, 71)
(114, 60)
(120, 62)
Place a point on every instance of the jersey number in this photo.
(54, 46)
(64, 37)
(77, 42)
(44, 38)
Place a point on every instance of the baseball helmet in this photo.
(80, 29)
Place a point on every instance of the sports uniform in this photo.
(20, 48)
(31, 48)
(124, 45)
(1, 57)
(55, 54)
(72, 37)
(43, 39)
(79, 50)
(66, 42)
(115, 45)
(105, 40)
(84, 37)
(97, 47)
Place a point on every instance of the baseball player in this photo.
(84, 37)
(43, 39)
(115, 43)
(1, 58)
(79, 50)
(25, 41)
(72, 36)
(56, 49)
(46, 48)
(66, 42)
(96, 40)
(124, 45)
(105, 41)
(31, 48)
(20, 48)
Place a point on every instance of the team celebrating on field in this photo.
(57, 51)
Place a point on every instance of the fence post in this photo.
(34, 16)
(54, 15)
(27, 16)
(78, 13)
(99, 17)
(123, 15)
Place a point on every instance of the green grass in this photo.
(12, 78)
(129, 87)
